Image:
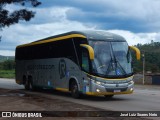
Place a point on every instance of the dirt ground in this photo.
(22, 101)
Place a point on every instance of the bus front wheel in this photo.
(74, 90)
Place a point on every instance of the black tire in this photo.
(30, 82)
(108, 96)
(26, 84)
(74, 90)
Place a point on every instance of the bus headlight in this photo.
(131, 82)
(98, 83)
(93, 80)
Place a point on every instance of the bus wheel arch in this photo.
(74, 88)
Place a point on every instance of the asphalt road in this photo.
(144, 98)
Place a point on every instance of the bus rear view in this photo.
(93, 63)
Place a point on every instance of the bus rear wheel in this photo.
(30, 80)
(26, 85)
(29, 84)
(74, 90)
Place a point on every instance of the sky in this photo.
(138, 21)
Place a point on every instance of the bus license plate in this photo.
(117, 90)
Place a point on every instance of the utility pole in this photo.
(143, 56)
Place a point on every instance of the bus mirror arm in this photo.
(138, 53)
(90, 50)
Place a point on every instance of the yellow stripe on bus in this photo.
(109, 93)
(62, 89)
(52, 39)
(90, 49)
(18, 81)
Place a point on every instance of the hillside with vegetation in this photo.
(151, 53)
(4, 58)
(7, 67)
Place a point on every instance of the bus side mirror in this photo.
(90, 50)
(138, 53)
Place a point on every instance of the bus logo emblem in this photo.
(62, 68)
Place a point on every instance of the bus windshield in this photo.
(112, 59)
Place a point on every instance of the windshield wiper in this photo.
(117, 63)
(110, 64)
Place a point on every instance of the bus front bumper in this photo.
(110, 89)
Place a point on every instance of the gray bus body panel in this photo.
(51, 72)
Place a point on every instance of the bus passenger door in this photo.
(85, 68)
(87, 57)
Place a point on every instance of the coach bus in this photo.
(80, 62)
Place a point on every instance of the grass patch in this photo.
(7, 73)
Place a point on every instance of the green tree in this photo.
(1, 66)
(8, 65)
(152, 57)
(8, 18)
